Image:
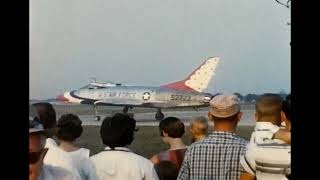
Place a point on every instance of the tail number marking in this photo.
(175, 97)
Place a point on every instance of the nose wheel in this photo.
(125, 109)
(159, 115)
(97, 118)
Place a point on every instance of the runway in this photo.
(145, 116)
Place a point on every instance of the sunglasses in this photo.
(35, 156)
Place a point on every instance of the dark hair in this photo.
(118, 130)
(268, 108)
(166, 170)
(286, 107)
(69, 127)
(47, 114)
(173, 126)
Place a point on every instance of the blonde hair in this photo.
(199, 125)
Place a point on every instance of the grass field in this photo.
(147, 140)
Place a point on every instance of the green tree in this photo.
(239, 96)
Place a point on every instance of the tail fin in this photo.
(199, 79)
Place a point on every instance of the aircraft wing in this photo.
(127, 102)
(119, 102)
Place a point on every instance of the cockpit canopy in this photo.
(207, 97)
(100, 85)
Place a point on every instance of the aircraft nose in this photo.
(61, 97)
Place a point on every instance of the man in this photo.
(37, 152)
(45, 114)
(199, 128)
(171, 131)
(117, 161)
(266, 158)
(217, 156)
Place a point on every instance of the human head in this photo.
(268, 108)
(166, 170)
(47, 114)
(69, 127)
(199, 128)
(171, 127)
(118, 130)
(37, 151)
(286, 114)
(225, 112)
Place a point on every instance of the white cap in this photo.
(225, 105)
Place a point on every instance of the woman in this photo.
(69, 129)
(171, 132)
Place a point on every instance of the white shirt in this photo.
(53, 173)
(122, 163)
(267, 158)
(83, 164)
(58, 158)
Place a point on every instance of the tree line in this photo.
(253, 97)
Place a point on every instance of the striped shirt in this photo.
(215, 157)
(267, 158)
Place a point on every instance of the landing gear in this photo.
(97, 117)
(125, 109)
(130, 114)
(159, 115)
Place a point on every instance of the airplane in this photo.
(187, 93)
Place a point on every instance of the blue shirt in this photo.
(215, 157)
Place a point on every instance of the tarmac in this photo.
(148, 119)
(146, 116)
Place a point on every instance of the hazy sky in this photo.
(152, 42)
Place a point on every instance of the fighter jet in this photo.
(182, 94)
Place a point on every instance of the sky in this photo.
(153, 42)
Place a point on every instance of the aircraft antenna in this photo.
(93, 80)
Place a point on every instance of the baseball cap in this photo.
(224, 105)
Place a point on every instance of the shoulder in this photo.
(141, 159)
(155, 159)
(195, 144)
(58, 172)
(83, 152)
(56, 156)
(193, 147)
(95, 157)
(143, 162)
(241, 141)
(50, 143)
